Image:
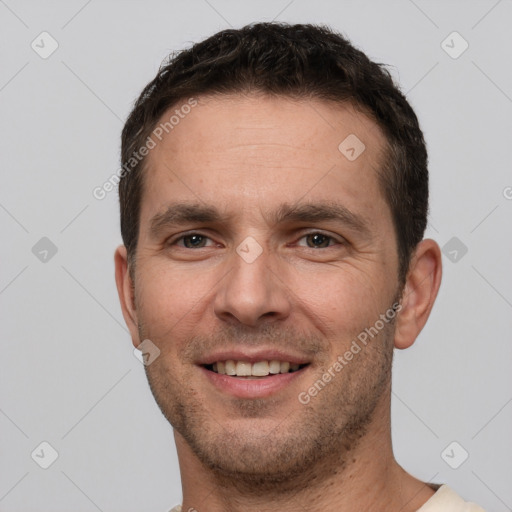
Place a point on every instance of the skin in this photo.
(247, 156)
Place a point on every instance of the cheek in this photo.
(169, 301)
(341, 300)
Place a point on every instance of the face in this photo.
(263, 253)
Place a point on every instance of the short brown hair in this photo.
(300, 61)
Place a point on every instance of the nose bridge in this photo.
(250, 290)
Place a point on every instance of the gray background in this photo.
(68, 373)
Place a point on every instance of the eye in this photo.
(318, 240)
(192, 241)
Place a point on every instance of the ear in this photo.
(125, 291)
(420, 292)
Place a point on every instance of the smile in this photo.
(257, 369)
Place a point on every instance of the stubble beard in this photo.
(310, 443)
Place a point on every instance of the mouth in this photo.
(252, 375)
(254, 370)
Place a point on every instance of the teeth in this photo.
(230, 367)
(274, 367)
(243, 369)
(258, 369)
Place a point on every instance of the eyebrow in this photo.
(313, 212)
(183, 213)
(189, 213)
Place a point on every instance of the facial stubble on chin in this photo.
(283, 452)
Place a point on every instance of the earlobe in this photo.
(126, 294)
(420, 292)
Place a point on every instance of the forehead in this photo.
(243, 151)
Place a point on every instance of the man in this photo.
(274, 198)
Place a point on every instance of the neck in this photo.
(368, 478)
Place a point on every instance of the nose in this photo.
(252, 291)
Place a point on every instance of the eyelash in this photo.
(305, 235)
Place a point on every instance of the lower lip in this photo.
(260, 387)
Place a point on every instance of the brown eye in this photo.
(193, 241)
(318, 240)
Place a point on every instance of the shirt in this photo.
(444, 500)
(447, 500)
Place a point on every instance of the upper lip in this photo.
(253, 356)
